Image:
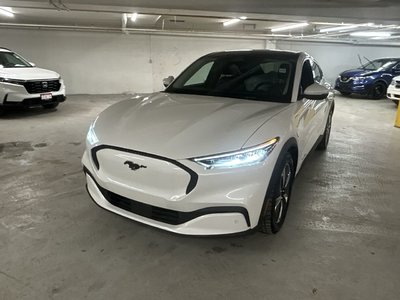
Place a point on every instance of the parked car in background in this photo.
(23, 84)
(371, 79)
(393, 91)
(216, 152)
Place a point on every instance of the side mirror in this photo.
(316, 92)
(167, 81)
(32, 64)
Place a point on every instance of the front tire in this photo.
(377, 91)
(277, 199)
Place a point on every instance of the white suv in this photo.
(23, 84)
(393, 91)
(216, 152)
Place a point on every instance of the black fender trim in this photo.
(193, 175)
(160, 214)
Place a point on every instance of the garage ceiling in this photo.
(333, 20)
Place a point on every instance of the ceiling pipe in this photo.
(191, 34)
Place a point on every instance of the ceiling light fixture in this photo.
(371, 34)
(385, 38)
(338, 28)
(243, 18)
(231, 22)
(7, 11)
(289, 27)
(134, 17)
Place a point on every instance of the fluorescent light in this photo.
(243, 18)
(231, 21)
(385, 38)
(289, 27)
(7, 11)
(134, 17)
(338, 28)
(371, 34)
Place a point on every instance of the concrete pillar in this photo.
(397, 123)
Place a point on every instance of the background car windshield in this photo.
(378, 64)
(254, 77)
(12, 60)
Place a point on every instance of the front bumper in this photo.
(17, 95)
(350, 87)
(393, 93)
(221, 202)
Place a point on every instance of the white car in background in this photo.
(216, 152)
(393, 91)
(23, 84)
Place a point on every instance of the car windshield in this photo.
(252, 76)
(379, 64)
(12, 60)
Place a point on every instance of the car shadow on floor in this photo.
(18, 112)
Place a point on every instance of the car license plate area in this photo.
(46, 97)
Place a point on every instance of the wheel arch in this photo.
(380, 80)
(291, 147)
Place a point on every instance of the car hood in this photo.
(357, 72)
(182, 126)
(28, 73)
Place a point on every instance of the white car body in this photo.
(393, 91)
(29, 86)
(162, 132)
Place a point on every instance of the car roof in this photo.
(2, 49)
(272, 53)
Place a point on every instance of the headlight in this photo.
(245, 157)
(362, 80)
(12, 81)
(393, 82)
(91, 135)
(359, 80)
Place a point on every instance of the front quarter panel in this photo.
(283, 125)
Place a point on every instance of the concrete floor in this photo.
(341, 239)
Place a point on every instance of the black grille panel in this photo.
(152, 212)
(43, 86)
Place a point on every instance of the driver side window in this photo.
(307, 78)
(317, 73)
(397, 67)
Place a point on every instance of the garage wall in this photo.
(335, 58)
(110, 63)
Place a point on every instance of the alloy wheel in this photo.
(281, 202)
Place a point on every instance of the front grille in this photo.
(43, 86)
